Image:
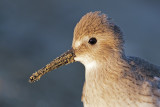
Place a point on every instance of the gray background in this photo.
(33, 32)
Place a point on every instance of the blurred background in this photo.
(34, 32)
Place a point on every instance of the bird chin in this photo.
(86, 61)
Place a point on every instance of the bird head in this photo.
(95, 39)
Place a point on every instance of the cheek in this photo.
(82, 54)
(81, 50)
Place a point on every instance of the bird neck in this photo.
(107, 69)
(104, 76)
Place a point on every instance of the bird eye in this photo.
(92, 41)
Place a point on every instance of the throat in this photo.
(105, 70)
(91, 70)
(92, 66)
(102, 82)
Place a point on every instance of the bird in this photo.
(112, 79)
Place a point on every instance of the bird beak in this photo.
(64, 59)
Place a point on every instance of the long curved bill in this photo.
(66, 58)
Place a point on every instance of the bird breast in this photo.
(101, 90)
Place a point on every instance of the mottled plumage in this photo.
(111, 78)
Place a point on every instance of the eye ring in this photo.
(92, 41)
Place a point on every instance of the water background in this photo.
(34, 32)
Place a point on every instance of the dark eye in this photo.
(92, 41)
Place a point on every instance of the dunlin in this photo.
(112, 79)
